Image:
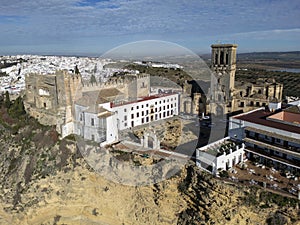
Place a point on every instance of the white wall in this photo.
(162, 106)
(87, 130)
(111, 129)
(236, 127)
(234, 157)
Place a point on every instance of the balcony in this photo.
(264, 154)
(272, 146)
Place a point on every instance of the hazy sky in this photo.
(95, 26)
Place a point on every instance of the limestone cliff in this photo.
(46, 181)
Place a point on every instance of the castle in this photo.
(96, 111)
(74, 106)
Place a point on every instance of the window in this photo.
(131, 108)
(147, 119)
(164, 107)
(142, 106)
(132, 116)
(125, 110)
(80, 117)
(266, 137)
(142, 113)
(137, 107)
(142, 120)
(222, 58)
(92, 122)
(147, 105)
(125, 124)
(45, 105)
(125, 118)
(226, 58)
(93, 137)
(137, 114)
(257, 104)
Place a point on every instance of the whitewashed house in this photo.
(220, 155)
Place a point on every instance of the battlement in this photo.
(57, 73)
(119, 81)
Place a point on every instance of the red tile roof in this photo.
(260, 117)
(142, 99)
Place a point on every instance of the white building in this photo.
(220, 155)
(94, 119)
(272, 138)
(99, 116)
(145, 110)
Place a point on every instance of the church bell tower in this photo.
(223, 66)
(223, 58)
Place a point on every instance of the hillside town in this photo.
(132, 129)
(261, 130)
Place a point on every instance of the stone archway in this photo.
(150, 140)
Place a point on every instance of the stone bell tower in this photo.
(223, 66)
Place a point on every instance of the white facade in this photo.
(146, 110)
(269, 141)
(219, 155)
(96, 126)
(103, 127)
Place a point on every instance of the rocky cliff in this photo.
(44, 180)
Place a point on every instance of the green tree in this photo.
(17, 108)
(7, 102)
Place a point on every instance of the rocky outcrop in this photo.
(46, 181)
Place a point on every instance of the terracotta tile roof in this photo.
(260, 117)
(146, 98)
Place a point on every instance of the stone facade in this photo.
(49, 98)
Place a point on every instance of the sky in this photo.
(96, 26)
